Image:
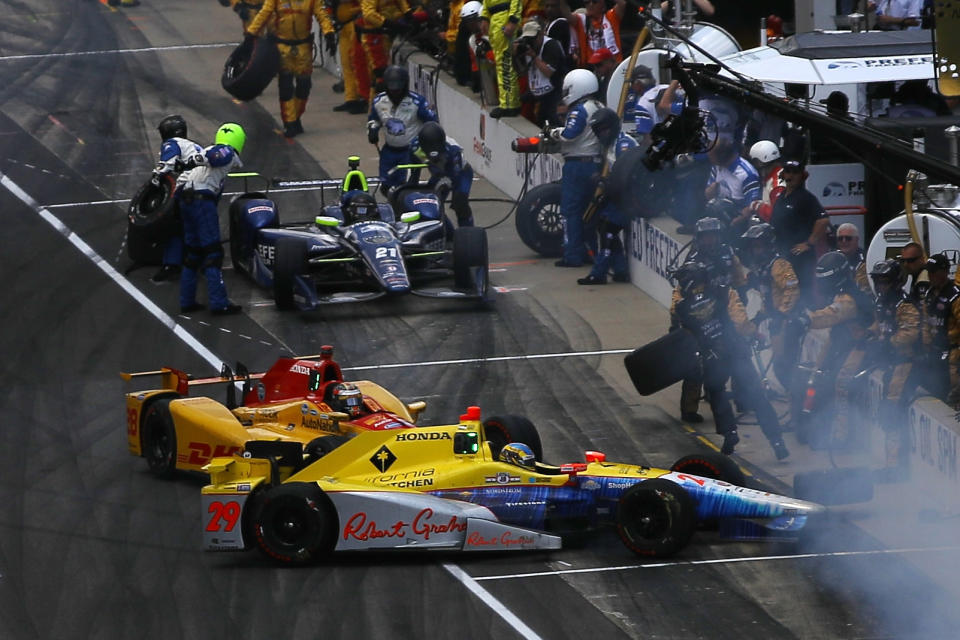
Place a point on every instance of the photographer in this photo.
(544, 62)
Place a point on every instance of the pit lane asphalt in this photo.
(92, 546)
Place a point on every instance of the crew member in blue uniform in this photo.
(444, 159)
(581, 161)
(198, 197)
(400, 113)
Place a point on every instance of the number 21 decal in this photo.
(386, 252)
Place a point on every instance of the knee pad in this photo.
(212, 256)
(304, 83)
(285, 86)
(193, 257)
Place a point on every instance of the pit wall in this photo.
(653, 244)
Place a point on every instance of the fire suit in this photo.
(177, 155)
(198, 196)
(581, 163)
(353, 61)
(292, 21)
(779, 291)
(610, 254)
(941, 343)
(499, 13)
(379, 20)
(400, 122)
(455, 170)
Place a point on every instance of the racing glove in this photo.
(330, 43)
(155, 179)
(373, 134)
(803, 322)
(242, 10)
(554, 134)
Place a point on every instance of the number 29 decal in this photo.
(224, 515)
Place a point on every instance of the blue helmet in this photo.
(519, 454)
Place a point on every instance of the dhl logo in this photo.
(201, 453)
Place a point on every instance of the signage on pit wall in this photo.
(652, 251)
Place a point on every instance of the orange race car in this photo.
(300, 399)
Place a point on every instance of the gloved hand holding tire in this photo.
(373, 135)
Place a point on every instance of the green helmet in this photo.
(231, 134)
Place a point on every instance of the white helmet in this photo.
(764, 152)
(577, 84)
(471, 9)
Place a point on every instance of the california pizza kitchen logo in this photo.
(383, 459)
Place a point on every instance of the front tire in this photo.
(502, 430)
(319, 447)
(295, 523)
(290, 261)
(656, 518)
(539, 222)
(159, 439)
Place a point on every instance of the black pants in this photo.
(716, 372)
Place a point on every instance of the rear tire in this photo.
(711, 465)
(539, 223)
(319, 447)
(290, 261)
(159, 439)
(250, 68)
(295, 523)
(656, 518)
(471, 261)
(502, 430)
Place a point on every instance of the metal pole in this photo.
(763, 32)
(953, 135)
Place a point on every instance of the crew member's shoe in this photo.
(686, 229)
(166, 273)
(229, 310)
(591, 279)
(621, 277)
(345, 106)
(692, 417)
(196, 306)
(499, 112)
(730, 440)
(779, 449)
(291, 129)
(357, 107)
(337, 87)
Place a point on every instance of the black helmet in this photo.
(361, 206)
(886, 275)
(761, 231)
(833, 271)
(706, 225)
(432, 141)
(606, 125)
(396, 78)
(173, 126)
(690, 275)
(347, 398)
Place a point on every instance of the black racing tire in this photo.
(158, 438)
(502, 430)
(663, 362)
(656, 518)
(471, 259)
(713, 465)
(142, 248)
(295, 523)
(152, 219)
(250, 68)
(319, 447)
(290, 260)
(539, 223)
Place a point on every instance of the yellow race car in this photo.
(444, 488)
(300, 399)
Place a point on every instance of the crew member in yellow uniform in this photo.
(246, 9)
(500, 20)
(353, 61)
(292, 22)
(380, 20)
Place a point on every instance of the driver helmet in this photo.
(347, 398)
(606, 125)
(578, 84)
(519, 454)
(764, 152)
(359, 207)
(432, 140)
(173, 126)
